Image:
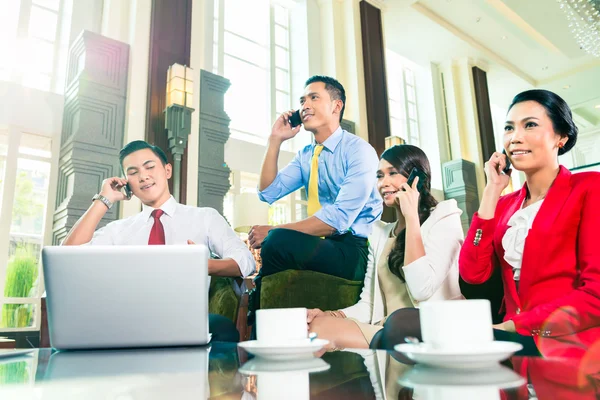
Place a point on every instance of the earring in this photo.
(561, 145)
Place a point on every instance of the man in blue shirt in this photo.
(343, 202)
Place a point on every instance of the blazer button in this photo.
(518, 311)
(546, 333)
(535, 332)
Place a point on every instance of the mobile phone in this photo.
(508, 165)
(127, 191)
(295, 119)
(422, 178)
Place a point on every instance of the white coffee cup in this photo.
(281, 325)
(456, 324)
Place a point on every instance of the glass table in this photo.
(223, 371)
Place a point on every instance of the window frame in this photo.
(219, 53)
(396, 63)
(15, 74)
(6, 208)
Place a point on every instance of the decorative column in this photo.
(213, 173)
(463, 121)
(460, 183)
(93, 127)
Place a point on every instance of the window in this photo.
(34, 47)
(252, 49)
(25, 160)
(404, 121)
(242, 207)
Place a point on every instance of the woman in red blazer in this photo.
(543, 237)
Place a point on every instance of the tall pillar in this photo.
(460, 99)
(93, 127)
(213, 173)
(337, 26)
(460, 183)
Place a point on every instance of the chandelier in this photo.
(584, 22)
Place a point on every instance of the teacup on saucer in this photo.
(480, 356)
(284, 350)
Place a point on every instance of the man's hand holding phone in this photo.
(282, 128)
(115, 189)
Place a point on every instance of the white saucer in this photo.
(475, 357)
(497, 377)
(261, 366)
(294, 350)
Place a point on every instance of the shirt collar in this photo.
(168, 207)
(332, 141)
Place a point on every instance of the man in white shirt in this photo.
(162, 221)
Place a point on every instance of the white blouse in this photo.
(514, 238)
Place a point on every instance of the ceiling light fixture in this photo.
(584, 21)
(503, 37)
(567, 87)
(597, 106)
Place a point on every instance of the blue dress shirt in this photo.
(347, 183)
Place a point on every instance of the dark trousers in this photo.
(406, 322)
(222, 329)
(344, 256)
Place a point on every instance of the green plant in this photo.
(21, 274)
(15, 372)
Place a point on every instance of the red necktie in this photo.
(157, 234)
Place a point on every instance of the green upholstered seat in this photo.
(308, 289)
(222, 299)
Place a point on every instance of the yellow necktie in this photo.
(313, 182)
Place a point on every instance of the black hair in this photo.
(558, 111)
(137, 145)
(404, 158)
(335, 89)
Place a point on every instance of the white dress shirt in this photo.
(202, 225)
(514, 238)
(431, 277)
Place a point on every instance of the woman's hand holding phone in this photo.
(114, 189)
(408, 199)
(497, 181)
(282, 130)
(496, 178)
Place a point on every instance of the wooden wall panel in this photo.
(484, 113)
(170, 37)
(378, 114)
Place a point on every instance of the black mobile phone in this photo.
(127, 191)
(422, 178)
(508, 165)
(295, 119)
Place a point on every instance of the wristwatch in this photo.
(103, 199)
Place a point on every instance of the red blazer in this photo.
(559, 378)
(559, 288)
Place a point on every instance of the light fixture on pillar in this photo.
(178, 116)
(393, 140)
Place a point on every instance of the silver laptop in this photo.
(126, 296)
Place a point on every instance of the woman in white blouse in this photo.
(412, 260)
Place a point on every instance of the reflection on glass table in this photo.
(224, 371)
